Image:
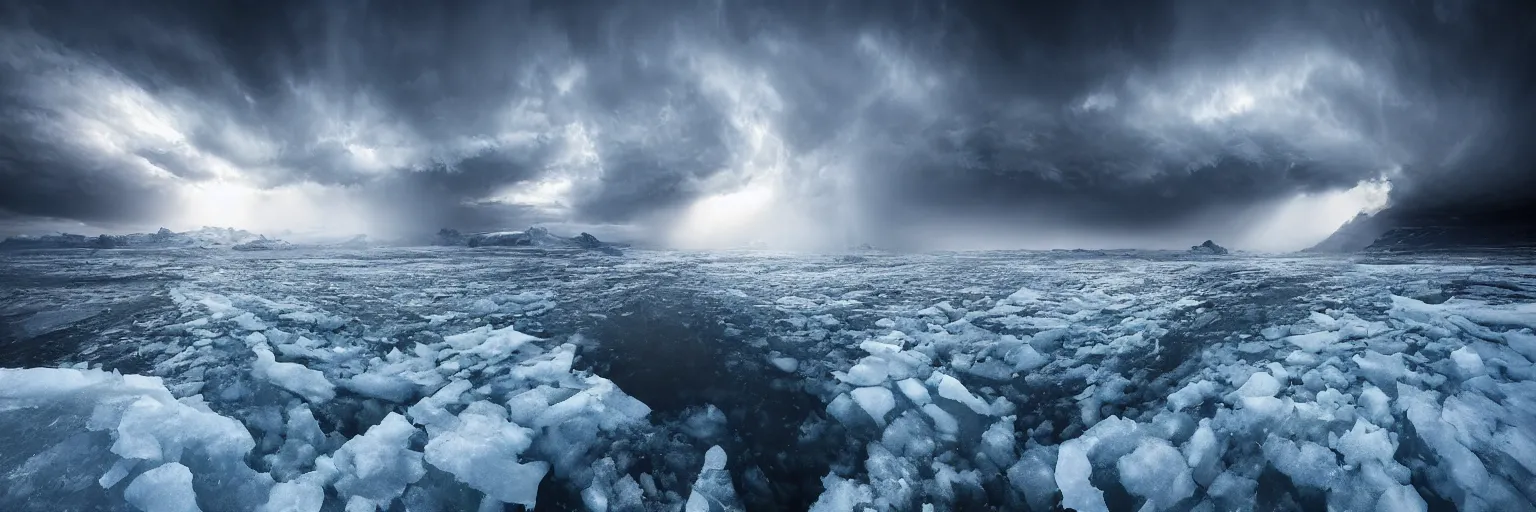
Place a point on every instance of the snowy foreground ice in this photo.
(498, 379)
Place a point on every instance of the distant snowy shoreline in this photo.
(241, 240)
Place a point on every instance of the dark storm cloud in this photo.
(1209, 105)
(871, 115)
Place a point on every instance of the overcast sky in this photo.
(919, 124)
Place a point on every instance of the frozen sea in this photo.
(508, 379)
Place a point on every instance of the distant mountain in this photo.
(1509, 226)
(1208, 247)
(241, 240)
(532, 237)
(263, 244)
(1355, 235)
(209, 237)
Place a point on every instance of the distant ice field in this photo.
(507, 379)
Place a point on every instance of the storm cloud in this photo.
(919, 124)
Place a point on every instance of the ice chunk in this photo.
(991, 369)
(1025, 358)
(713, 491)
(1112, 438)
(295, 496)
(1523, 343)
(602, 403)
(1034, 475)
(951, 388)
(1474, 417)
(1023, 296)
(869, 372)
(842, 495)
(1380, 368)
(302, 441)
(595, 498)
(1376, 405)
(998, 443)
(384, 387)
(908, 435)
(704, 423)
(785, 364)
(1365, 442)
(877, 401)
(1324, 321)
(1480, 312)
(1301, 358)
(489, 344)
(294, 377)
(1463, 466)
(1173, 426)
(148, 426)
(551, 367)
(377, 465)
(1467, 360)
(142, 432)
(360, 504)
(1259, 384)
(1112, 389)
(117, 473)
(1314, 342)
(843, 408)
(482, 451)
(1274, 332)
(1279, 371)
(1401, 498)
(483, 307)
(1203, 453)
(468, 339)
(167, 488)
(914, 390)
(523, 407)
(893, 479)
(886, 347)
(1518, 445)
(947, 483)
(1234, 491)
(573, 427)
(1307, 463)
(627, 495)
(432, 411)
(943, 422)
(1072, 473)
(1191, 394)
(1265, 406)
(1156, 471)
(249, 322)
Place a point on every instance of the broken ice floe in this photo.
(1122, 392)
(420, 423)
(1427, 402)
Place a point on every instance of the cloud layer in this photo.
(903, 123)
